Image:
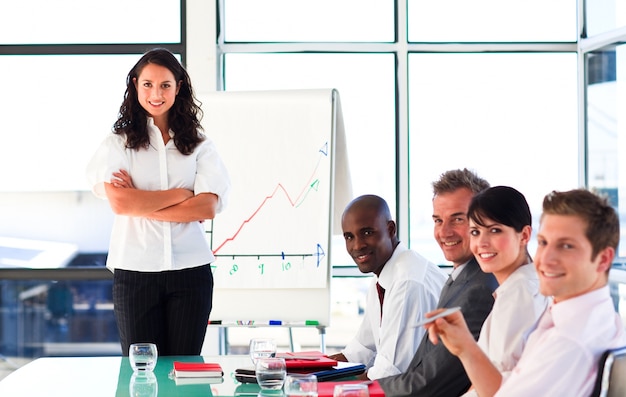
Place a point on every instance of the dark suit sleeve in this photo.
(478, 303)
(434, 371)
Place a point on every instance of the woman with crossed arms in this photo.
(162, 177)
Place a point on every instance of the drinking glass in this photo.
(143, 384)
(351, 390)
(262, 347)
(270, 372)
(297, 385)
(143, 356)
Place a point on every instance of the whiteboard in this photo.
(272, 242)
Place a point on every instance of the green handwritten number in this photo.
(286, 266)
(262, 267)
(234, 269)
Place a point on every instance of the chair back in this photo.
(611, 379)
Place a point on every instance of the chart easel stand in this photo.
(224, 344)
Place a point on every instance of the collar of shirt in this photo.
(568, 313)
(457, 270)
(152, 128)
(386, 275)
(524, 272)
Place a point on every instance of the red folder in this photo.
(307, 359)
(326, 389)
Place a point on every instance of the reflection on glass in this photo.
(256, 21)
(511, 117)
(605, 124)
(143, 384)
(492, 21)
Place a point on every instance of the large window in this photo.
(88, 22)
(606, 126)
(60, 108)
(604, 60)
(491, 21)
(425, 87)
(64, 67)
(483, 111)
(308, 21)
(417, 106)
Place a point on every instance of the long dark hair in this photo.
(184, 116)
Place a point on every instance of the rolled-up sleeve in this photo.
(212, 175)
(110, 157)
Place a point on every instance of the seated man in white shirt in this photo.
(577, 241)
(405, 286)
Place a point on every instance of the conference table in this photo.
(113, 377)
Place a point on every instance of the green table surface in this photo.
(111, 377)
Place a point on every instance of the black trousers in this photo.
(170, 309)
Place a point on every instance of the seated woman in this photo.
(500, 228)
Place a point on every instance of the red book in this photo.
(307, 359)
(197, 370)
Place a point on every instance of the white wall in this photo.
(79, 217)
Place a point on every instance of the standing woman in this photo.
(162, 178)
(500, 228)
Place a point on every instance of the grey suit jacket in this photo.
(434, 371)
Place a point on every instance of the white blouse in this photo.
(143, 244)
(517, 307)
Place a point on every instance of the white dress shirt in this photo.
(412, 286)
(561, 355)
(142, 244)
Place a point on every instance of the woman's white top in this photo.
(517, 307)
(143, 244)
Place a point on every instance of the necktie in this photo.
(447, 285)
(381, 297)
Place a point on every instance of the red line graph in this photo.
(279, 187)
